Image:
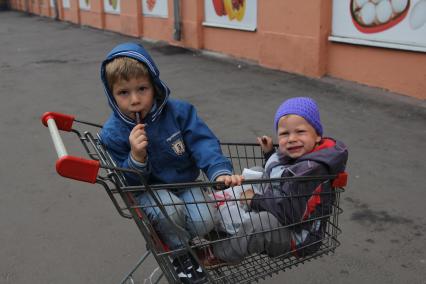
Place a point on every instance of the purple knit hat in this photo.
(304, 107)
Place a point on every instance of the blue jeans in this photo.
(187, 208)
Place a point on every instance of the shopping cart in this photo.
(100, 168)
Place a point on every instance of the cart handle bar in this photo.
(68, 166)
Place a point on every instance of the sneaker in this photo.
(188, 270)
(209, 260)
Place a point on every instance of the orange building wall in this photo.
(400, 71)
(131, 18)
(35, 7)
(112, 22)
(291, 35)
(45, 8)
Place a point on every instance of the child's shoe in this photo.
(188, 270)
(209, 260)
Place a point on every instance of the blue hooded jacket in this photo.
(180, 143)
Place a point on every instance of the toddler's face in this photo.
(135, 95)
(296, 136)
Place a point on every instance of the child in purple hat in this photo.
(302, 151)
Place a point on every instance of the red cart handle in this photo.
(68, 166)
(63, 121)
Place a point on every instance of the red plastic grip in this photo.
(78, 168)
(63, 121)
(341, 180)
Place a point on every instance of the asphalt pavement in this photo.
(56, 230)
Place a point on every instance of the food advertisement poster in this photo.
(84, 4)
(397, 24)
(155, 8)
(233, 14)
(112, 6)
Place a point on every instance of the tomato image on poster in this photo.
(150, 4)
(155, 8)
(112, 6)
(234, 9)
(236, 14)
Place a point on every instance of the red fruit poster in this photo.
(398, 24)
(112, 6)
(233, 14)
(155, 8)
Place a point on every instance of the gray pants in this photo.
(257, 235)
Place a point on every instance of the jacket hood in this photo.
(137, 52)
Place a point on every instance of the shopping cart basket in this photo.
(99, 167)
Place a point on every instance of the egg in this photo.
(383, 11)
(360, 3)
(418, 15)
(367, 13)
(399, 5)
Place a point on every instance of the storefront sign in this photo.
(397, 24)
(112, 6)
(233, 14)
(155, 8)
(84, 4)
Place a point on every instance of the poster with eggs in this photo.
(155, 8)
(388, 23)
(112, 6)
(233, 14)
(84, 4)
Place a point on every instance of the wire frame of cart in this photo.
(398, 24)
(232, 14)
(155, 8)
(84, 4)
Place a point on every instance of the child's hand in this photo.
(246, 196)
(265, 143)
(138, 143)
(230, 180)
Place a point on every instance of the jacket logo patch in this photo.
(178, 147)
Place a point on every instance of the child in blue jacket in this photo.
(170, 144)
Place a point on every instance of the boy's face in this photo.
(296, 136)
(135, 95)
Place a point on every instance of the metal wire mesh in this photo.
(253, 267)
